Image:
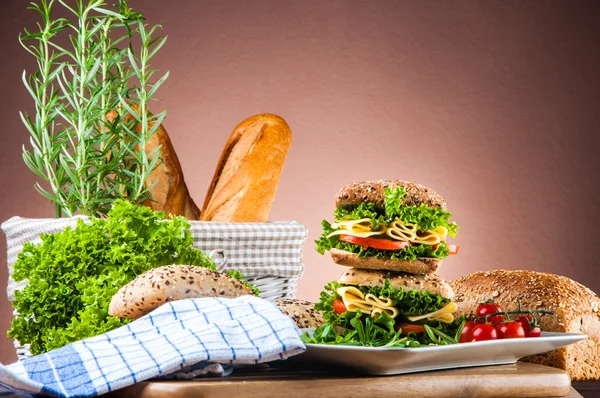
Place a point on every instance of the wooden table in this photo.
(517, 380)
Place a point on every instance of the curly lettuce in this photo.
(73, 274)
(409, 253)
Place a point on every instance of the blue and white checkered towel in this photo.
(193, 336)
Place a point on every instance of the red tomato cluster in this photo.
(492, 327)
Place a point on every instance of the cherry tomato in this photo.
(407, 328)
(338, 306)
(452, 249)
(484, 331)
(525, 323)
(510, 330)
(466, 335)
(489, 308)
(380, 244)
(535, 332)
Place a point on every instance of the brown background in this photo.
(494, 104)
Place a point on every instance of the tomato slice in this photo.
(408, 327)
(452, 249)
(380, 244)
(338, 306)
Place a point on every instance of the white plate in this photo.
(391, 361)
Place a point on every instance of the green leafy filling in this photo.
(424, 217)
(73, 274)
(409, 253)
(354, 328)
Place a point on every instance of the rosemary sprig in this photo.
(85, 159)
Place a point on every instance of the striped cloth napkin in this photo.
(180, 339)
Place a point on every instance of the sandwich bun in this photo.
(302, 312)
(374, 192)
(422, 265)
(431, 283)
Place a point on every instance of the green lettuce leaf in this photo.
(74, 274)
(409, 253)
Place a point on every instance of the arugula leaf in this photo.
(363, 330)
(74, 274)
(354, 328)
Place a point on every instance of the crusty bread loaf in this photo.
(170, 194)
(247, 175)
(167, 186)
(423, 265)
(302, 312)
(373, 192)
(576, 310)
(363, 277)
(169, 283)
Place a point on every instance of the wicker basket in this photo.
(268, 254)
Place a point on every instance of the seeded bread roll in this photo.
(423, 265)
(431, 283)
(576, 310)
(169, 283)
(373, 192)
(302, 312)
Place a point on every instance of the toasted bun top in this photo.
(373, 192)
(366, 277)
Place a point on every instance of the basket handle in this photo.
(220, 259)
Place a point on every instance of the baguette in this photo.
(423, 265)
(169, 192)
(169, 283)
(576, 310)
(247, 174)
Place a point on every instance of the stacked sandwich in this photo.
(394, 236)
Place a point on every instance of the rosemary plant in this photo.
(92, 120)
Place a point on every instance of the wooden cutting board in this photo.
(516, 380)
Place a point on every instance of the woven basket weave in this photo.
(268, 254)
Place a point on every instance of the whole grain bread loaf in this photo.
(576, 310)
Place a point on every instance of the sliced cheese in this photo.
(396, 230)
(444, 314)
(355, 300)
(359, 228)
